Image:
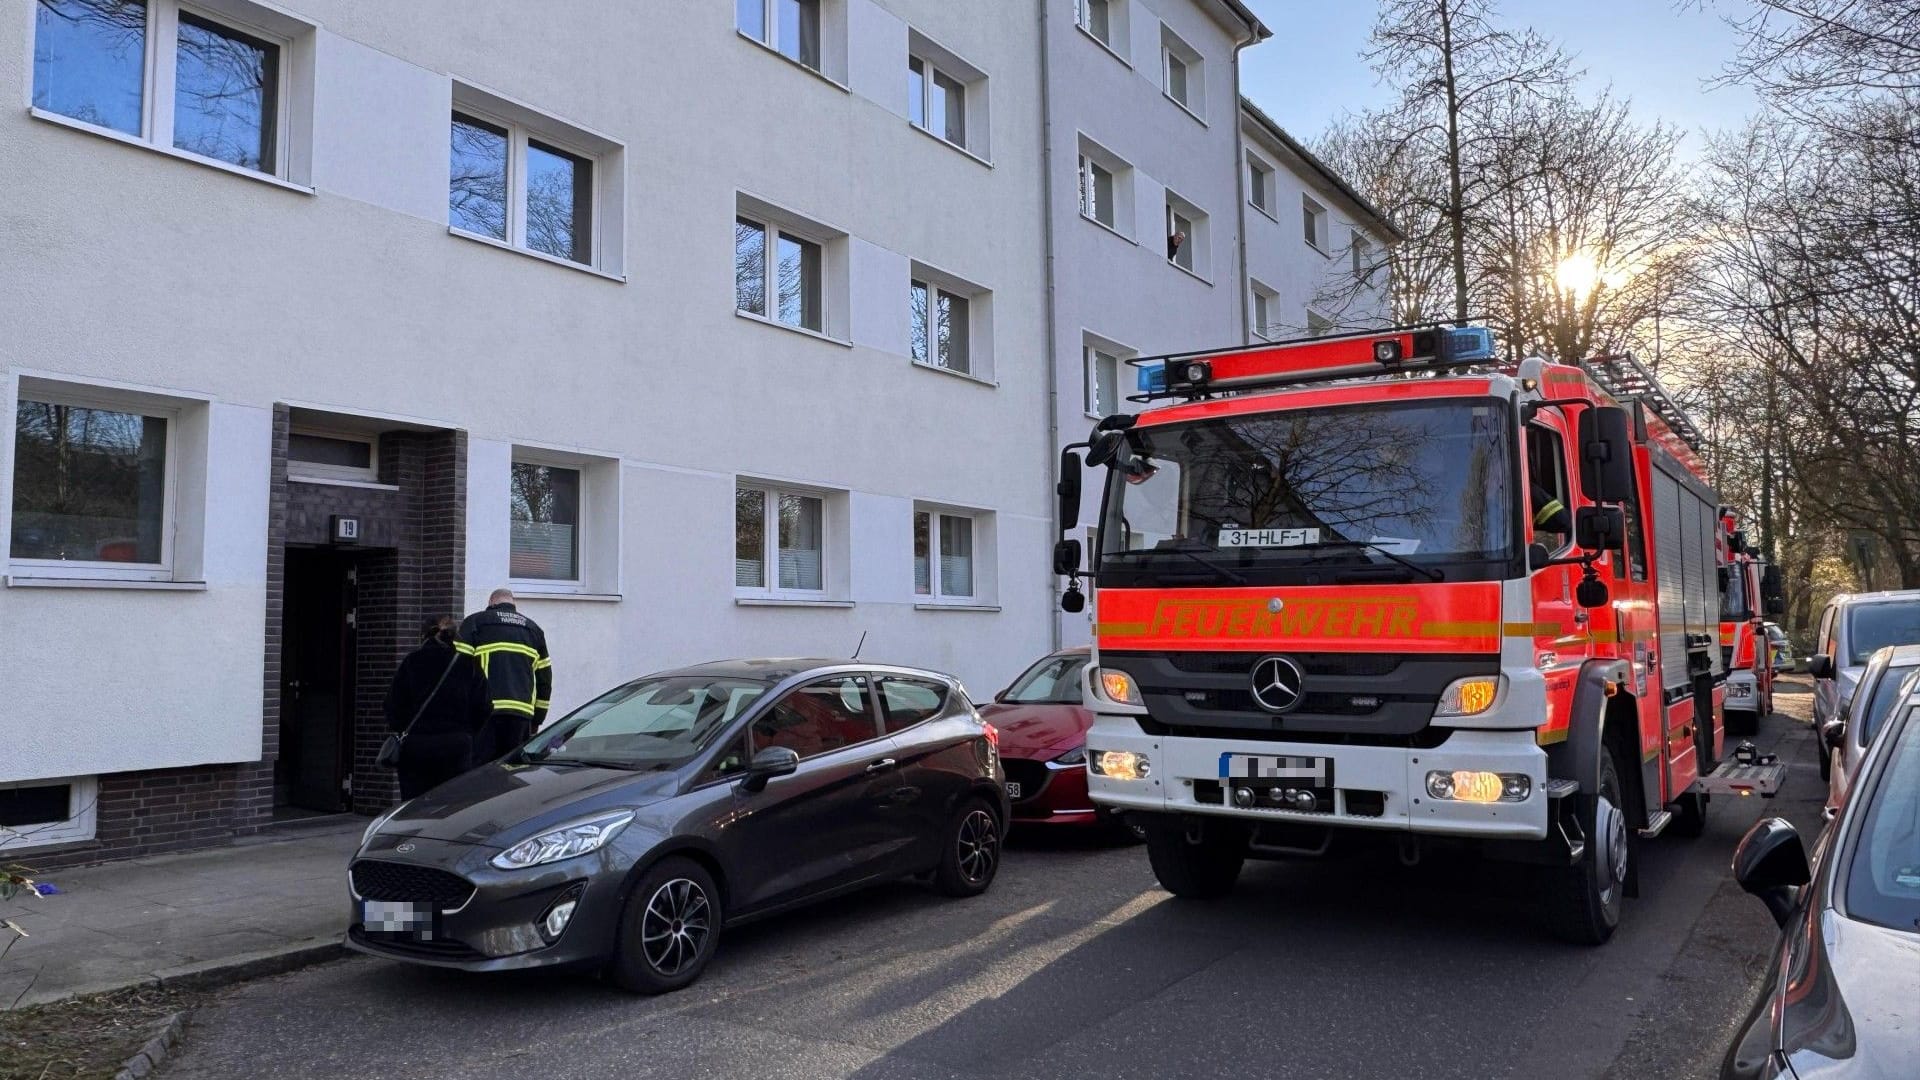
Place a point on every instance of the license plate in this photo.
(1013, 789)
(395, 917)
(1314, 771)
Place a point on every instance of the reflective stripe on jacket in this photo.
(512, 651)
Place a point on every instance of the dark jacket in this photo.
(512, 652)
(452, 733)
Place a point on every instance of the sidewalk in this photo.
(142, 920)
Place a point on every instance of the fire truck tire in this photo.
(1583, 901)
(1205, 870)
(1689, 816)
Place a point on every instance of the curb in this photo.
(166, 1036)
(211, 974)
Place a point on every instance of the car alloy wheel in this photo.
(675, 926)
(978, 846)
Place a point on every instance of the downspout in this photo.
(1053, 351)
(1243, 276)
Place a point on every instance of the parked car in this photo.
(628, 835)
(1839, 1001)
(1780, 648)
(1851, 628)
(1846, 738)
(1043, 740)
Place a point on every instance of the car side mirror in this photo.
(1066, 557)
(1820, 666)
(1606, 454)
(1598, 528)
(1068, 490)
(1771, 863)
(1834, 734)
(768, 763)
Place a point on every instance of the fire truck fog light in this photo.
(1387, 352)
(1119, 764)
(1470, 696)
(1474, 786)
(1119, 686)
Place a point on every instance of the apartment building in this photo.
(705, 328)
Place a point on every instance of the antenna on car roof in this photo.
(862, 645)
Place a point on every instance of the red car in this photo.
(1043, 742)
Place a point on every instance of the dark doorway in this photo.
(317, 681)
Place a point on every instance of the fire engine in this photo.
(1750, 591)
(1387, 582)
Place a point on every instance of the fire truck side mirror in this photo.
(1606, 461)
(1773, 591)
(1068, 489)
(1105, 448)
(1591, 593)
(1066, 557)
(1598, 528)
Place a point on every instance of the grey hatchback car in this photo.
(627, 835)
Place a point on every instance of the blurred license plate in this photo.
(1013, 789)
(1316, 771)
(395, 917)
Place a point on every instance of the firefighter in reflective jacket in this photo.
(512, 651)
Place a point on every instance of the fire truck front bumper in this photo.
(1485, 784)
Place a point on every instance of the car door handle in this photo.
(882, 765)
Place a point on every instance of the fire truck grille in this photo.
(1353, 696)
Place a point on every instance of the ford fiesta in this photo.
(626, 836)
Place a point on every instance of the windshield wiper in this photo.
(1427, 572)
(591, 763)
(1218, 568)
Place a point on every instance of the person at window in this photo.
(439, 701)
(512, 651)
(1175, 243)
(1552, 524)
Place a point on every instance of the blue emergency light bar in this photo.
(1311, 359)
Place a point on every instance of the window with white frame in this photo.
(1104, 20)
(318, 454)
(1260, 185)
(777, 275)
(1096, 192)
(1265, 312)
(544, 522)
(789, 27)
(1313, 218)
(93, 484)
(1187, 240)
(1318, 325)
(1365, 259)
(227, 81)
(1182, 73)
(943, 555)
(37, 813)
(780, 542)
(941, 323)
(1102, 369)
(936, 101)
(531, 182)
(1106, 188)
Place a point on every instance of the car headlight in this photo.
(1470, 696)
(565, 842)
(1075, 756)
(1118, 686)
(374, 826)
(1119, 765)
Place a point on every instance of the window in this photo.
(1181, 73)
(1179, 238)
(906, 702)
(777, 276)
(173, 77)
(940, 327)
(1096, 192)
(1547, 482)
(510, 184)
(1363, 259)
(1318, 325)
(936, 102)
(943, 567)
(92, 485)
(789, 27)
(1187, 242)
(1102, 381)
(1260, 185)
(1097, 17)
(1054, 680)
(780, 529)
(1635, 564)
(316, 455)
(544, 508)
(819, 718)
(1265, 312)
(1314, 218)
(729, 763)
(35, 813)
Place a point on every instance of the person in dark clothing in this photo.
(443, 687)
(512, 652)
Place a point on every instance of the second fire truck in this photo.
(1382, 582)
(1749, 591)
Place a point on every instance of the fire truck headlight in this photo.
(1465, 785)
(1119, 764)
(1470, 696)
(1119, 686)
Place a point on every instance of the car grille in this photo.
(426, 950)
(1032, 776)
(404, 882)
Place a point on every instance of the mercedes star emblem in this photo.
(1277, 683)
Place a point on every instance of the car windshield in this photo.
(1274, 498)
(654, 723)
(1883, 883)
(1055, 680)
(1893, 685)
(1871, 626)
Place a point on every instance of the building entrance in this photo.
(318, 684)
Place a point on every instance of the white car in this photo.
(1852, 628)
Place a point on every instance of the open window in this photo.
(1549, 507)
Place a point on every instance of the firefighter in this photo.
(1550, 515)
(512, 651)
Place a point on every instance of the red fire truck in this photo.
(1750, 591)
(1384, 582)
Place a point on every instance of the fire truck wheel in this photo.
(1583, 901)
(1689, 816)
(1205, 870)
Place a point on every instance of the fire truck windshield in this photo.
(1311, 494)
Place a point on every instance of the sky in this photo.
(1661, 53)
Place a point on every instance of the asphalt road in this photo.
(1077, 965)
